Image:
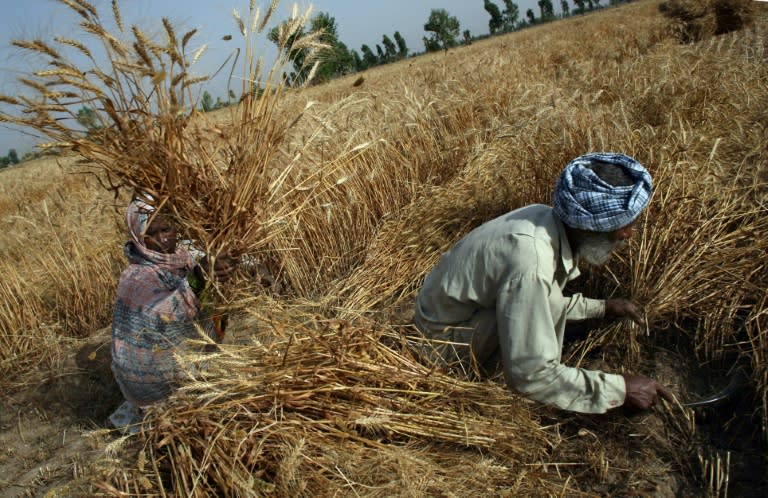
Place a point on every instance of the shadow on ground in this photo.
(46, 426)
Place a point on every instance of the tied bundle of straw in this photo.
(221, 186)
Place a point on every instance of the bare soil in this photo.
(53, 429)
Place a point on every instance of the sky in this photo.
(358, 21)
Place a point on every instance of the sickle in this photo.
(736, 380)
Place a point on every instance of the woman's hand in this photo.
(224, 266)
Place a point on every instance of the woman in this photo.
(158, 308)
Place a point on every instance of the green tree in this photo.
(510, 15)
(206, 102)
(297, 56)
(87, 118)
(358, 61)
(547, 10)
(444, 29)
(579, 6)
(336, 59)
(402, 48)
(531, 16)
(467, 37)
(369, 58)
(380, 54)
(344, 60)
(13, 157)
(430, 44)
(390, 49)
(564, 7)
(497, 21)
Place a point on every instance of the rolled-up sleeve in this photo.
(582, 308)
(531, 348)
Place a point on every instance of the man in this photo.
(498, 291)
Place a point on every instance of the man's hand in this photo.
(643, 393)
(622, 308)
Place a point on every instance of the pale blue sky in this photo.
(358, 21)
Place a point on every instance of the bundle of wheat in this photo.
(223, 185)
(315, 404)
(697, 20)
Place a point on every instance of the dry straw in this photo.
(482, 149)
(229, 189)
(316, 405)
(390, 173)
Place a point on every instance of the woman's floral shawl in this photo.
(155, 313)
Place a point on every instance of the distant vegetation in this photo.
(443, 32)
(10, 159)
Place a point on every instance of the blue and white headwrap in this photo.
(583, 200)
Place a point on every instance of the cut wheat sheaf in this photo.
(353, 192)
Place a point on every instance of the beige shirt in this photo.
(518, 265)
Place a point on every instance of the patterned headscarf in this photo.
(583, 200)
(156, 311)
(137, 217)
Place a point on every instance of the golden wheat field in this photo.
(349, 193)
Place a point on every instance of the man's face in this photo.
(596, 247)
(161, 235)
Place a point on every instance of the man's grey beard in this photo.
(596, 248)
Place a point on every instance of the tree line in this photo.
(442, 32)
(12, 158)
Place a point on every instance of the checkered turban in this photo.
(583, 200)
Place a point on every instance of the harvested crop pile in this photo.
(319, 392)
(700, 19)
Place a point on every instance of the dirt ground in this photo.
(53, 430)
